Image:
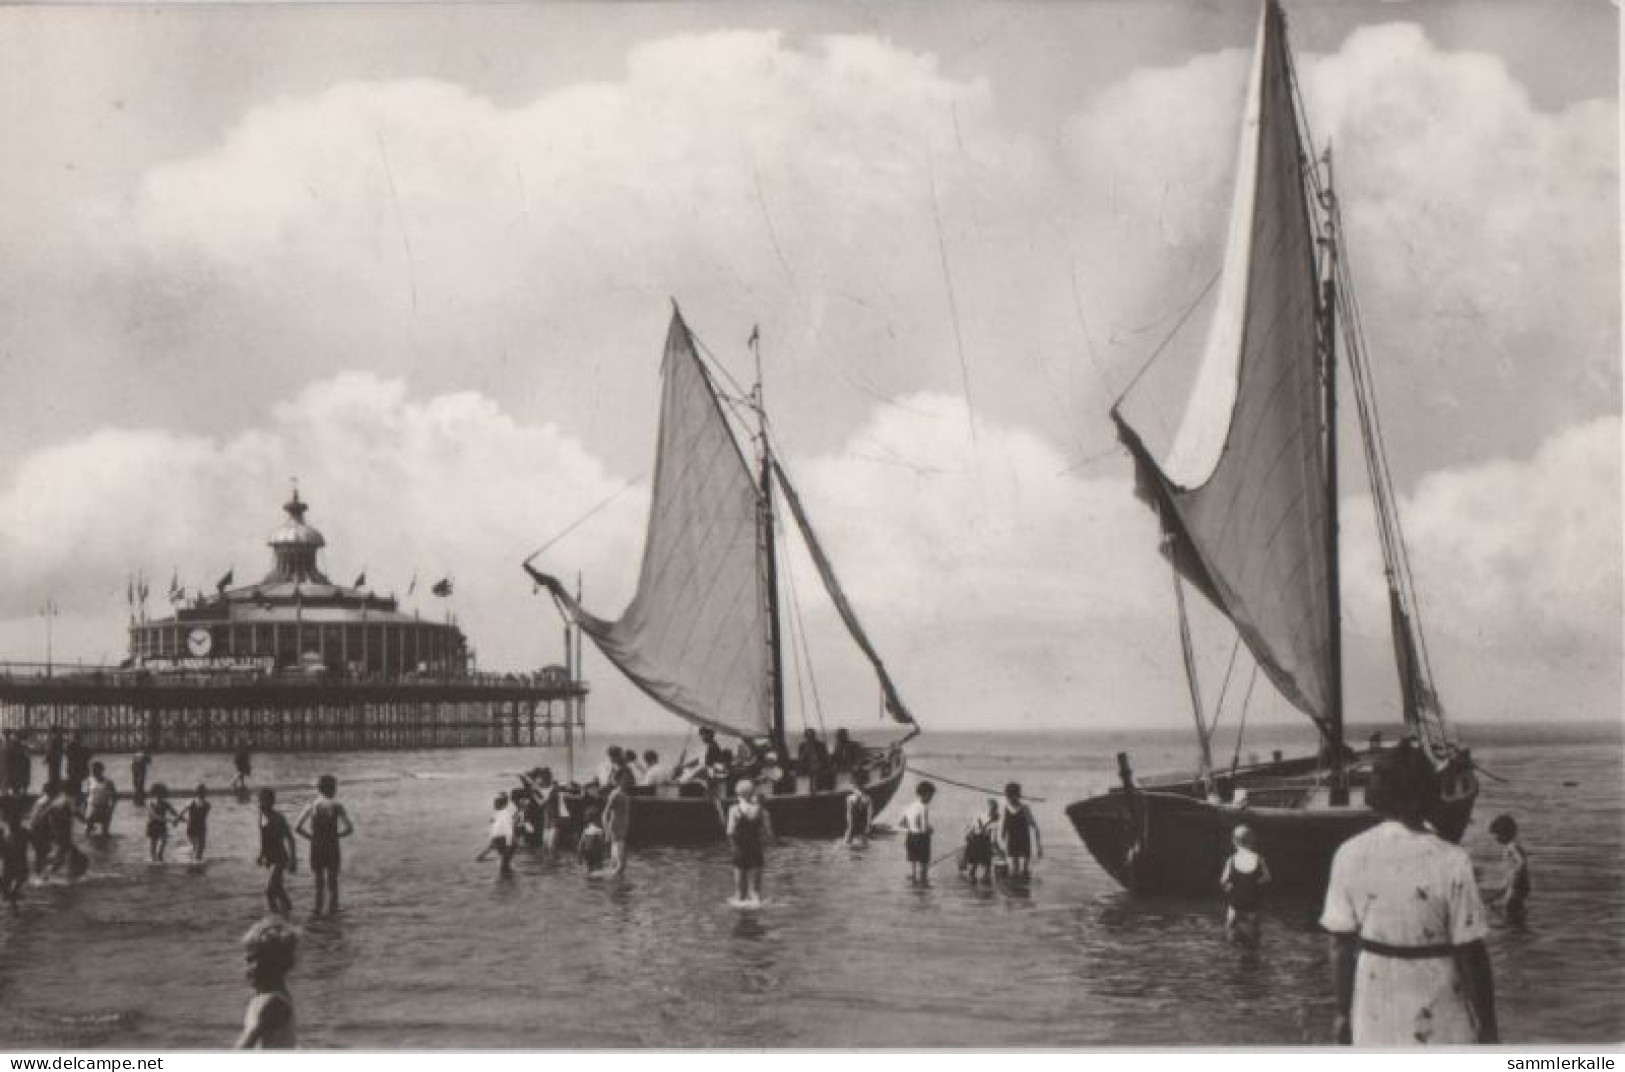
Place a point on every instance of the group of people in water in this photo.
(38, 841)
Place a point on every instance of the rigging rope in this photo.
(922, 772)
(578, 522)
(805, 653)
(1242, 726)
(1163, 345)
(1218, 708)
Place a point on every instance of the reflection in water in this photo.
(434, 950)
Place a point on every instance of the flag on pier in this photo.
(442, 587)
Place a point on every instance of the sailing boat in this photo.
(702, 634)
(1248, 504)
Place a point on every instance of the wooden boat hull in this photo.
(659, 819)
(1166, 838)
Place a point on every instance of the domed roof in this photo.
(293, 531)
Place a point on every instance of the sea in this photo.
(433, 950)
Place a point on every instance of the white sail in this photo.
(1245, 495)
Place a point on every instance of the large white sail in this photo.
(1245, 496)
(695, 636)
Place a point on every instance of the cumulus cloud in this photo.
(497, 275)
(445, 486)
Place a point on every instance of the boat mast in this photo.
(769, 551)
(1334, 587)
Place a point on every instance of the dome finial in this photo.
(294, 507)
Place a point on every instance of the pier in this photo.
(122, 710)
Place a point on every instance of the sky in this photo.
(421, 257)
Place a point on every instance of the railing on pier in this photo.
(126, 709)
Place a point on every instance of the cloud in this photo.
(445, 486)
(1483, 231)
(495, 274)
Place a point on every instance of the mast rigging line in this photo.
(1163, 345)
(923, 773)
(578, 522)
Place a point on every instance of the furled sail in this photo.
(826, 573)
(1243, 494)
(695, 636)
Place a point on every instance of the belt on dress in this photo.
(1406, 952)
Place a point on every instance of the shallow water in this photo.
(434, 950)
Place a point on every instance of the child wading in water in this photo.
(196, 817)
(278, 851)
(590, 847)
(159, 816)
(504, 833)
(980, 842)
(103, 795)
(749, 830)
(1243, 880)
(269, 948)
(1514, 891)
(917, 834)
(324, 821)
(860, 810)
(1019, 833)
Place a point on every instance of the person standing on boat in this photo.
(812, 758)
(1243, 880)
(713, 750)
(654, 771)
(1407, 923)
(749, 830)
(1018, 833)
(860, 810)
(917, 834)
(618, 820)
(610, 765)
(847, 754)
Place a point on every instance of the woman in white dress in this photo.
(1407, 924)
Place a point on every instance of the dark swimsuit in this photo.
(274, 840)
(324, 838)
(197, 821)
(1245, 888)
(1018, 831)
(979, 846)
(747, 840)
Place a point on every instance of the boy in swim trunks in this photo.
(917, 834)
(323, 822)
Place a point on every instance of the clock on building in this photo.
(199, 642)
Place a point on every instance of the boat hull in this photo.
(1167, 838)
(700, 820)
